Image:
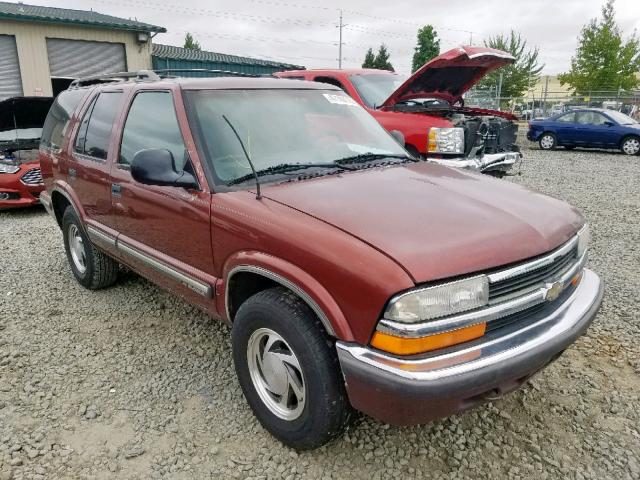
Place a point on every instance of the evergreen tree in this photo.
(382, 59)
(428, 47)
(191, 43)
(369, 59)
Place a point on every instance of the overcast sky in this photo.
(304, 32)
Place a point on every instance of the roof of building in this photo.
(178, 53)
(36, 13)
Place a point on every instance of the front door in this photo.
(593, 129)
(164, 231)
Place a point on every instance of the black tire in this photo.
(496, 173)
(630, 145)
(547, 141)
(326, 411)
(100, 271)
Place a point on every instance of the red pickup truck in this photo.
(428, 108)
(353, 276)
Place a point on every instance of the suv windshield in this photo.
(375, 88)
(282, 127)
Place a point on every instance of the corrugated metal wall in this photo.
(32, 49)
(160, 63)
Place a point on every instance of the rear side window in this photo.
(568, 117)
(152, 123)
(57, 122)
(95, 129)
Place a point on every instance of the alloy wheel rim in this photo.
(276, 374)
(76, 248)
(631, 146)
(547, 141)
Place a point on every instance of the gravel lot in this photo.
(130, 382)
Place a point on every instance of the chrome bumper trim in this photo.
(505, 160)
(100, 237)
(498, 350)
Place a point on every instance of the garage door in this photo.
(10, 82)
(77, 58)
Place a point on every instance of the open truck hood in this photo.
(21, 121)
(450, 75)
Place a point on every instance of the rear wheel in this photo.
(288, 370)
(547, 141)
(92, 268)
(630, 146)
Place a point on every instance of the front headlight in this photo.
(4, 168)
(446, 140)
(439, 301)
(583, 240)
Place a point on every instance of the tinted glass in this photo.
(375, 88)
(590, 118)
(57, 122)
(98, 129)
(152, 123)
(568, 117)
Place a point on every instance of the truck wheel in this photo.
(92, 268)
(547, 141)
(630, 145)
(288, 370)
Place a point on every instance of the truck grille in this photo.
(524, 283)
(32, 177)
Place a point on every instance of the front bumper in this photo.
(412, 391)
(16, 198)
(489, 162)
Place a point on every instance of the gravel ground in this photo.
(130, 382)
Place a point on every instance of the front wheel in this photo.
(288, 370)
(630, 146)
(547, 141)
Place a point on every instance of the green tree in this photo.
(428, 46)
(603, 61)
(382, 59)
(369, 59)
(518, 77)
(191, 43)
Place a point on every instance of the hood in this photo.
(435, 222)
(450, 75)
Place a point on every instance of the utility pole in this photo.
(340, 26)
(499, 92)
(470, 38)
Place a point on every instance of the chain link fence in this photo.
(547, 103)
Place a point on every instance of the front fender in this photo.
(292, 277)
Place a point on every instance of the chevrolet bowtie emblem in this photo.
(554, 291)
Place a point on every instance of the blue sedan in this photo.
(593, 127)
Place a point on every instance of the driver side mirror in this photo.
(156, 166)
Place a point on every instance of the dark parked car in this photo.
(352, 275)
(593, 127)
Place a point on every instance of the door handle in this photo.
(116, 189)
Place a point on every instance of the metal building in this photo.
(42, 49)
(170, 57)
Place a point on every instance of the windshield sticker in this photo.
(340, 99)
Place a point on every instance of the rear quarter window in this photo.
(95, 129)
(57, 122)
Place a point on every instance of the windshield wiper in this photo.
(368, 157)
(286, 168)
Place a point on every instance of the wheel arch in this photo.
(627, 136)
(60, 200)
(243, 280)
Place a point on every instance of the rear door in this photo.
(89, 166)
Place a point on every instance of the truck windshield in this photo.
(375, 88)
(279, 127)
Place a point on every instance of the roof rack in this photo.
(222, 73)
(140, 75)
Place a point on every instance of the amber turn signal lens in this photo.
(411, 346)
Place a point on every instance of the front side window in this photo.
(152, 123)
(57, 122)
(281, 126)
(590, 118)
(95, 130)
(375, 88)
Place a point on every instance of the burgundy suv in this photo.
(353, 275)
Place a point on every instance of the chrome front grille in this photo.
(521, 284)
(32, 177)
